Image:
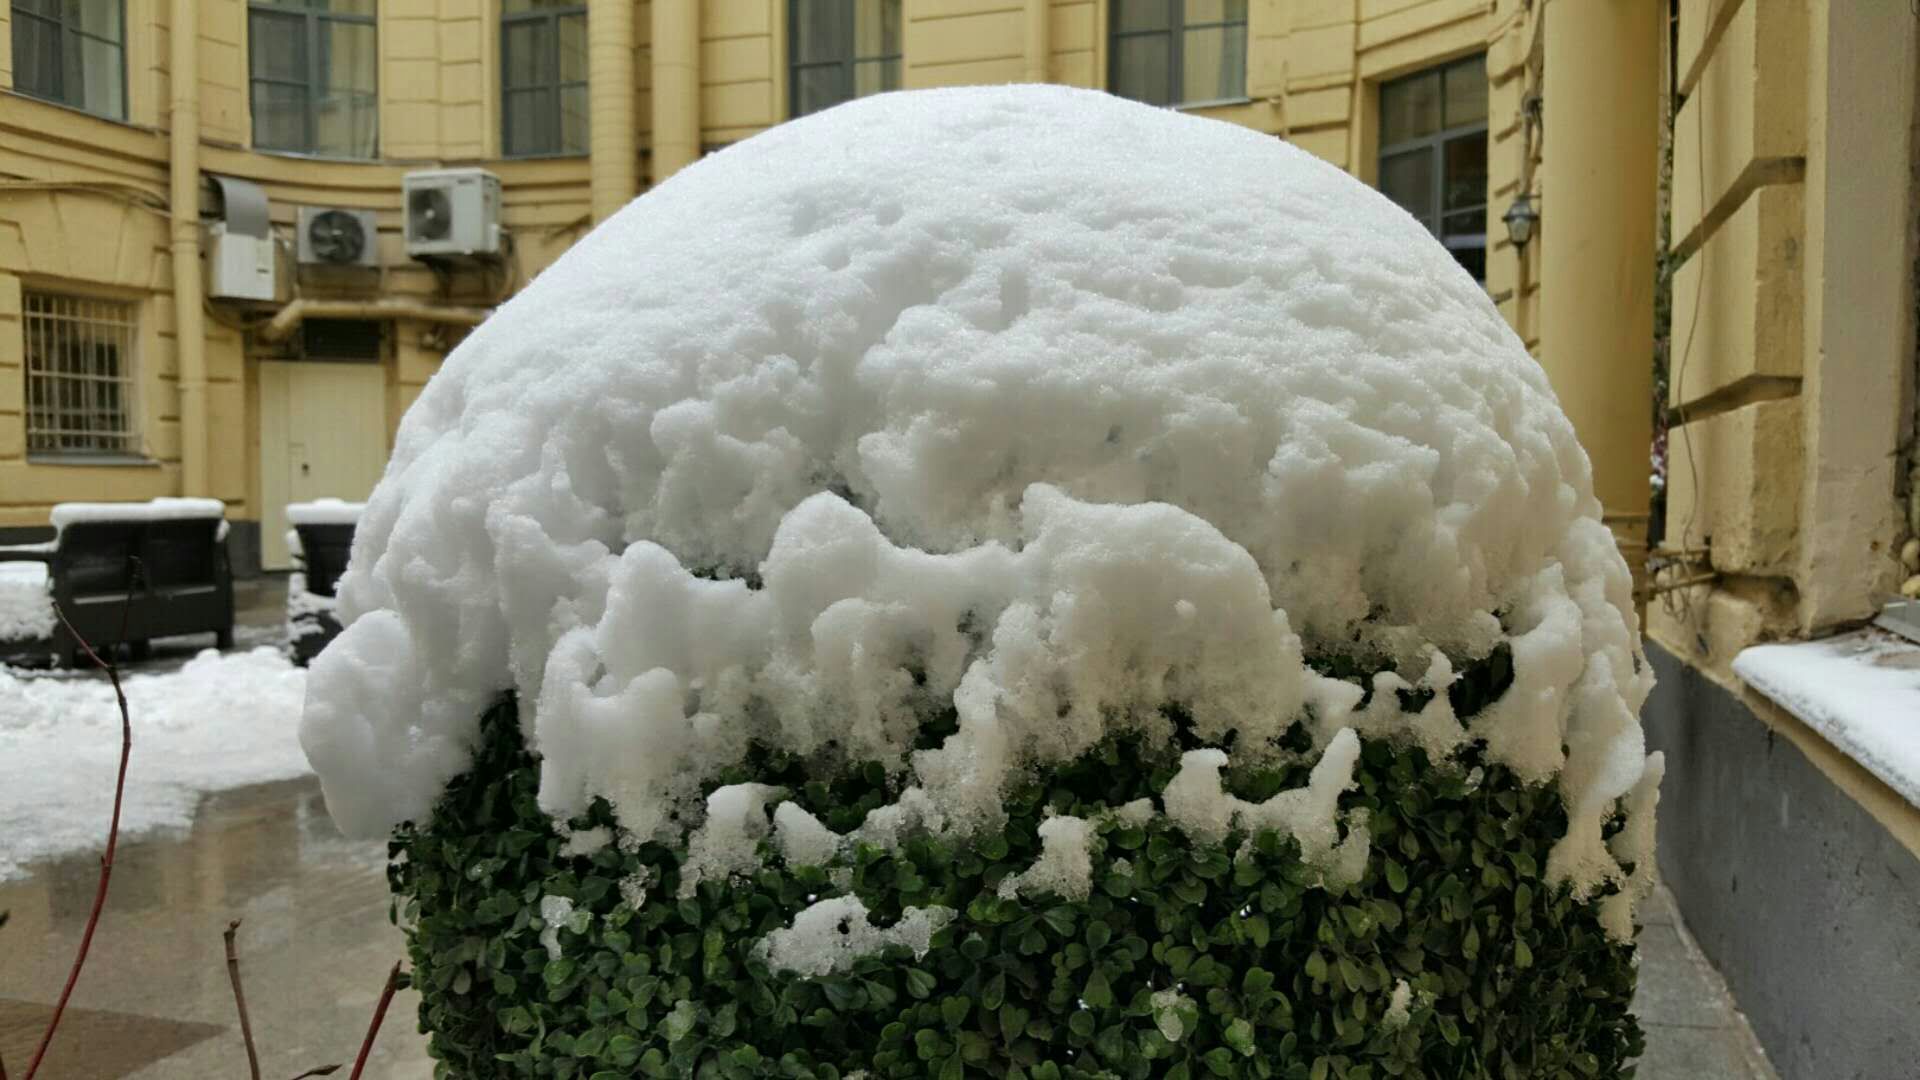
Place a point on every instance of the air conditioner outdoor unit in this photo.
(330, 236)
(239, 266)
(452, 212)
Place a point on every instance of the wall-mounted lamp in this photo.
(1521, 218)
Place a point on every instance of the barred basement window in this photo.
(80, 374)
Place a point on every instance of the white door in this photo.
(323, 432)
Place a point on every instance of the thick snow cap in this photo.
(1068, 406)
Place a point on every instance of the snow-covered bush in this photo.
(950, 593)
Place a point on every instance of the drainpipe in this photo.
(676, 86)
(1599, 187)
(189, 336)
(614, 161)
(289, 317)
(1039, 43)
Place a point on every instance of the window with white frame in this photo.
(840, 50)
(80, 374)
(543, 77)
(73, 52)
(1433, 154)
(314, 76)
(1178, 52)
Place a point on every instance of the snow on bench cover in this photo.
(956, 396)
(161, 509)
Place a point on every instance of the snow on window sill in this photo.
(1860, 691)
(1214, 103)
(117, 460)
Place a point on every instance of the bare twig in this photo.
(240, 1001)
(324, 1070)
(113, 835)
(379, 1014)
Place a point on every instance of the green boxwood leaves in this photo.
(1276, 975)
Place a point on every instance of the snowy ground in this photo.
(218, 722)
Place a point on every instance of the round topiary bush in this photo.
(934, 590)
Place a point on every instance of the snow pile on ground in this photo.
(222, 721)
(952, 398)
(1861, 691)
(26, 606)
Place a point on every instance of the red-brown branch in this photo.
(239, 1001)
(379, 1014)
(113, 837)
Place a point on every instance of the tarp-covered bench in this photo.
(321, 539)
(121, 573)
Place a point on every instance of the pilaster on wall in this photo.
(1514, 161)
(1859, 337)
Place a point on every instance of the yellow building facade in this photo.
(115, 178)
(140, 138)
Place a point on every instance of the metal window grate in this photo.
(80, 384)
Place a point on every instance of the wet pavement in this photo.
(315, 944)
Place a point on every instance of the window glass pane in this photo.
(875, 76)
(1466, 172)
(1214, 65)
(277, 45)
(818, 30)
(529, 49)
(573, 119)
(1212, 11)
(515, 7)
(100, 18)
(1471, 252)
(572, 31)
(1140, 68)
(1468, 225)
(816, 88)
(36, 58)
(279, 116)
(1466, 92)
(346, 7)
(1407, 179)
(530, 127)
(346, 124)
(876, 28)
(102, 75)
(1142, 14)
(1410, 108)
(349, 53)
